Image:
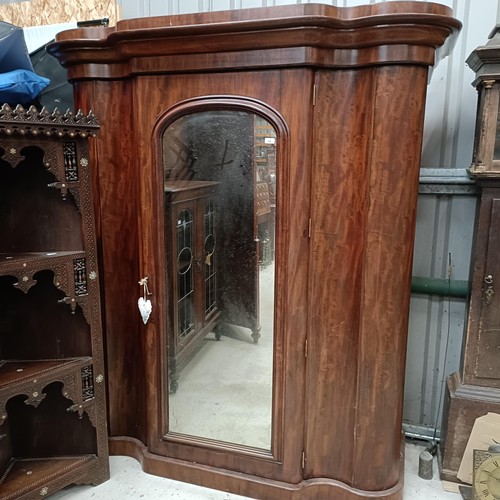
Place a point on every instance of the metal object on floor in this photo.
(425, 462)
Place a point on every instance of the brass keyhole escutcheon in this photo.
(208, 259)
(209, 249)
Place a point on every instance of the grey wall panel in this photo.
(444, 236)
(434, 346)
(135, 8)
(451, 100)
(443, 244)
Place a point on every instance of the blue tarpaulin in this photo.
(13, 51)
(19, 84)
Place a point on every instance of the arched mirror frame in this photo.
(261, 109)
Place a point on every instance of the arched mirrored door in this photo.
(220, 203)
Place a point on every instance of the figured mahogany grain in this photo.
(394, 165)
(116, 197)
(338, 214)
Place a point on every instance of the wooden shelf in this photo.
(25, 477)
(13, 260)
(24, 265)
(17, 372)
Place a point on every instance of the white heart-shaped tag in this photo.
(145, 308)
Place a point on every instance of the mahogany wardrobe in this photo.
(256, 178)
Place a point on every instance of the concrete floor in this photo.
(128, 481)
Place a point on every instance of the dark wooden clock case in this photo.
(345, 91)
(475, 390)
(52, 388)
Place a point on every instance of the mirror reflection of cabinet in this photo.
(340, 93)
(218, 146)
(192, 269)
(215, 183)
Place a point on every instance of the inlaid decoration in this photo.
(87, 383)
(80, 274)
(70, 161)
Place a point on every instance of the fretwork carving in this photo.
(49, 237)
(34, 122)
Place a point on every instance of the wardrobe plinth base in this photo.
(244, 484)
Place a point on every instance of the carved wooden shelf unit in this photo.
(52, 404)
(343, 91)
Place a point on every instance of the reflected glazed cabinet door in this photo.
(192, 269)
(314, 408)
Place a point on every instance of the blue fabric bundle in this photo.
(21, 86)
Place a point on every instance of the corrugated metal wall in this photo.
(445, 221)
(442, 250)
(446, 209)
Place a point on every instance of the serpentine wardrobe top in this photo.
(296, 35)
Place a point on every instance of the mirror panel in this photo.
(220, 205)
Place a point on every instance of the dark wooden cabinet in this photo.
(475, 390)
(192, 255)
(482, 349)
(341, 91)
(52, 398)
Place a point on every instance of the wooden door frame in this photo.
(201, 450)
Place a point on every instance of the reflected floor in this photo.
(225, 391)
